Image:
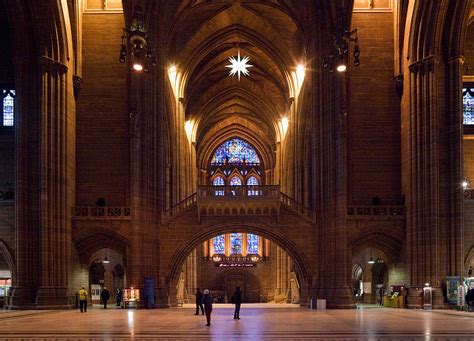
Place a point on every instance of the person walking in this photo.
(83, 294)
(237, 300)
(207, 302)
(199, 302)
(105, 295)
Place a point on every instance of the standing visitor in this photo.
(470, 299)
(105, 295)
(381, 293)
(199, 302)
(207, 301)
(83, 299)
(237, 300)
(118, 297)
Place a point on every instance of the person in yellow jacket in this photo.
(83, 299)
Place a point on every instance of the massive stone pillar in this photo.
(23, 292)
(434, 201)
(56, 139)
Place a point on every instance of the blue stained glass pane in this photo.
(252, 243)
(467, 106)
(235, 151)
(219, 245)
(236, 243)
(218, 181)
(8, 107)
(235, 181)
(252, 181)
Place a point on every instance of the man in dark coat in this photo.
(470, 299)
(199, 302)
(237, 300)
(105, 295)
(207, 301)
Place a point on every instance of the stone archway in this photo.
(302, 265)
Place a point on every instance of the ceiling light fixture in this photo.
(341, 39)
(135, 40)
(239, 65)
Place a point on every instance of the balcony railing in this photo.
(101, 213)
(365, 212)
(250, 191)
(469, 194)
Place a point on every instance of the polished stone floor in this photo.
(256, 323)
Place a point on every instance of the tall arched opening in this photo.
(290, 284)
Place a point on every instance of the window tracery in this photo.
(237, 163)
(236, 243)
(8, 107)
(252, 244)
(467, 105)
(235, 151)
(219, 245)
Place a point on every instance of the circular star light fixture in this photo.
(239, 66)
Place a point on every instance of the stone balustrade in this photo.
(101, 213)
(376, 211)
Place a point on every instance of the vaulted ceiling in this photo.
(203, 35)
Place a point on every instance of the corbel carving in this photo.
(77, 84)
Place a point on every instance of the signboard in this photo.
(460, 294)
(95, 293)
(367, 287)
(236, 265)
(149, 291)
(452, 284)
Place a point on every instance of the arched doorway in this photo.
(107, 269)
(291, 286)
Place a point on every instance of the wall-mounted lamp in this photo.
(341, 39)
(466, 183)
(135, 40)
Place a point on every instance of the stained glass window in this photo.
(252, 181)
(235, 181)
(218, 181)
(252, 244)
(236, 243)
(235, 151)
(467, 105)
(8, 107)
(219, 245)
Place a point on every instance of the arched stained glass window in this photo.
(252, 244)
(219, 245)
(236, 243)
(252, 181)
(468, 105)
(218, 181)
(235, 151)
(8, 107)
(235, 181)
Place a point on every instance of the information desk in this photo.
(394, 302)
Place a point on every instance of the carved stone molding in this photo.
(51, 65)
(77, 83)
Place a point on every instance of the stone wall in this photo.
(103, 160)
(374, 115)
